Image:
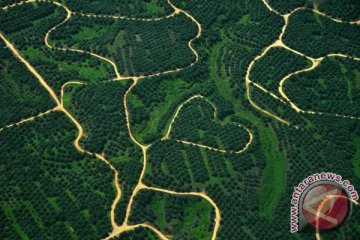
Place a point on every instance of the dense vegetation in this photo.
(254, 24)
(275, 106)
(274, 66)
(327, 145)
(197, 123)
(286, 6)
(181, 217)
(129, 8)
(333, 87)
(223, 176)
(138, 47)
(7, 2)
(27, 32)
(138, 234)
(21, 94)
(100, 110)
(320, 35)
(347, 10)
(50, 190)
(152, 103)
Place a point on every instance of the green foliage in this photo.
(50, 190)
(275, 106)
(274, 66)
(327, 146)
(99, 109)
(356, 159)
(253, 24)
(251, 189)
(286, 6)
(151, 104)
(139, 234)
(27, 32)
(172, 162)
(129, 8)
(320, 35)
(21, 95)
(224, 177)
(197, 123)
(16, 19)
(347, 10)
(138, 47)
(204, 11)
(7, 2)
(182, 217)
(333, 87)
(235, 59)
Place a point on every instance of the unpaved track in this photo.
(248, 82)
(282, 81)
(117, 230)
(30, 68)
(125, 227)
(141, 186)
(60, 107)
(69, 14)
(118, 76)
(315, 63)
(128, 18)
(29, 119)
(167, 135)
(63, 89)
(201, 194)
(177, 113)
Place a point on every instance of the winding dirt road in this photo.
(315, 63)
(117, 72)
(167, 135)
(60, 107)
(63, 89)
(69, 14)
(117, 230)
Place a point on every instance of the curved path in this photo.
(124, 227)
(69, 14)
(118, 76)
(117, 230)
(268, 6)
(167, 135)
(63, 89)
(315, 63)
(201, 194)
(178, 110)
(141, 186)
(60, 107)
(29, 119)
(322, 204)
(248, 83)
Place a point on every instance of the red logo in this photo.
(325, 206)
